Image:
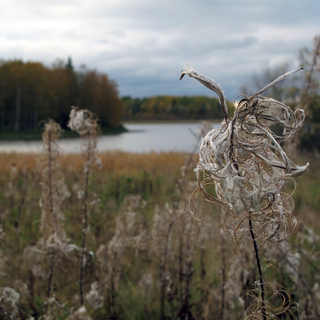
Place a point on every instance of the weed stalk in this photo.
(85, 124)
(261, 281)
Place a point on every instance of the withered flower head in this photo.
(82, 121)
(242, 166)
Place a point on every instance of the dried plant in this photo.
(290, 262)
(245, 164)
(174, 241)
(8, 303)
(95, 296)
(14, 189)
(80, 314)
(242, 168)
(187, 234)
(112, 257)
(163, 223)
(54, 191)
(85, 123)
(277, 304)
(54, 309)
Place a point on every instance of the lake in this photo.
(157, 137)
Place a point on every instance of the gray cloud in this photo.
(143, 45)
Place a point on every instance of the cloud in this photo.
(143, 45)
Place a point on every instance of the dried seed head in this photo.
(8, 300)
(85, 123)
(245, 164)
(82, 121)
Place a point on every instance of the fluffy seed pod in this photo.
(242, 166)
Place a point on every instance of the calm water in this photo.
(140, 138)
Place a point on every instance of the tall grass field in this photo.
(144, 256)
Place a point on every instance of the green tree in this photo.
(172, 107)
(12, 81)
(64, 87)
(100, 95)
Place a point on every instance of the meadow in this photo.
(138, 236)
(144, 256)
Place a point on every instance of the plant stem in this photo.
(85, 222)
(256, 251)
(51, 266)
(223, 275)
(163, 272)
(51, 213)
(180, 268)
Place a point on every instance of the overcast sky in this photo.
(144, 44)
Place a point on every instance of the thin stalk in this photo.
(203, 298)
(180, 269)
(163, 272)
(223, 276)
(50, 174)
(112, 284)
(50, 277)
(256, 251)
(51, 264)
(84, 226)
(16, 223)
(189, 274)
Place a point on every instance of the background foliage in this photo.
(173, 108)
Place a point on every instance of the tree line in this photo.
(173, 108)
(31, 92)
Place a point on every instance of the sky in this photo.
(144, 44)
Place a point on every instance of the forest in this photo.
(31, 92)
(173, 108)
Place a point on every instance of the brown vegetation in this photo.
(140, 241)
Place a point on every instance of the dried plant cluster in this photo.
(243, 168)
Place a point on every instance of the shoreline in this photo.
(68, 134)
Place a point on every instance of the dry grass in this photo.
(198, 263)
